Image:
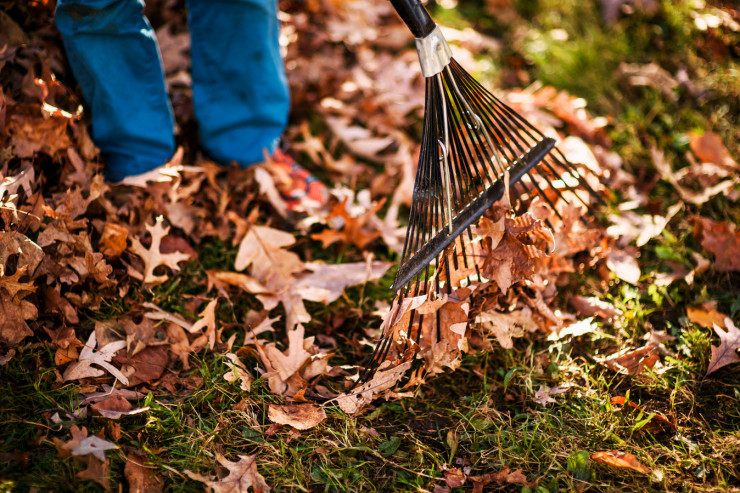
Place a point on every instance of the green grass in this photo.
(482, 416)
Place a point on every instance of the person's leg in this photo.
(240, 92)
(114, 55)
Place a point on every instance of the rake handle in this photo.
(415, 16)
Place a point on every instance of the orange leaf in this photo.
(706, 317)
(621, 460)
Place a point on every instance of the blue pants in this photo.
(240, 92)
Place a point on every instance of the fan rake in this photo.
(471, 144)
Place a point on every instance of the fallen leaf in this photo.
(727, 351)
(706, 317)
(721, 240)
(237, 371)
(113, 240)
(300, 417)
(242, 475)
(592, 306)
(709, 148)
(88, 357)
(283, 366)
(621, 401)
(632, 362)
(350, 230)
(81, 444)
(383, 379)
(505, 475)
(454, 477)
(621, 460)
(207, 322)
(624, 265)
(152, 256)
(140, 478)
(544, 394)
(505, 326)
(96, 471)
(144, 366)
(326, 283)
(577, 329)
(13, 317)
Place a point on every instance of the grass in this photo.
(482, 416)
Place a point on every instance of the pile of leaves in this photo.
(127, 282)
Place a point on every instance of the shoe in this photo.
(300, 190)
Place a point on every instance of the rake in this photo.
(470, 142)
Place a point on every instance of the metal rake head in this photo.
(471, 142)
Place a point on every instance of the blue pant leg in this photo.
(114, 55)
(240, 91)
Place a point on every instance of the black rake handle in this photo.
(415, 16)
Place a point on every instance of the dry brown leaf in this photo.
(12, 284)
(620, 460)
(116, 406)
(505, 475)
(140, 478)
(590, 306)
(207, 323)
(727, 351)
(13, 317)
(96, 471)
(15, 243)
(35, 131)
(237, 371)
(242, 475)
(382, 380)
(88, 357)
(283, 366)
(721, 240)
(113, 240)
(544, 394)
(145, 366)
(505, 326)
(81, 444)
(706, 316)
(709, 148)
(674, 178)
(326, 283)
(153, 257)
(300, 417)
(351, 230)
(632, 362)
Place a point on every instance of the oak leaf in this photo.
(96, 471)
(88, 357)
(300, 416)
(242, 475)
(727, 351)
(153, 257)
(12, 284)
(81, 444)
